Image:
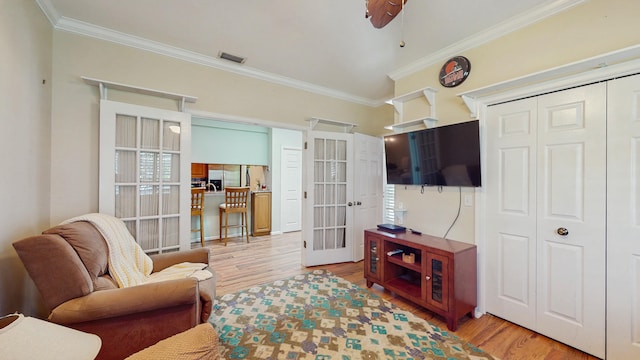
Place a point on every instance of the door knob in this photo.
(562, 231)
(358, 203)
(427, 277)
(350, 203)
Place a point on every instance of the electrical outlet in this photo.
(468, 200)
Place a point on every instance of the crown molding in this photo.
(49, 11)
(86, 29)
(534, 15)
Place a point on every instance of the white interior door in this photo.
(511, 133)
(542, 185)
(145, 173)
(367, 199)
(328, 234)
(623, 230)
(572, 195)
(291, 203)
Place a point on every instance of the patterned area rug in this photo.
(321, 316)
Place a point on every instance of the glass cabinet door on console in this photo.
(373, 260)
(436, 281)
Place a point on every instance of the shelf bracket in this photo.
(430, 95)
(104, 85)
(472, 105)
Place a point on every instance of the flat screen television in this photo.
(442, 156)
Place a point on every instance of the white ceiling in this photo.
(323, 46)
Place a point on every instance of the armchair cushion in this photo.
(43, 254)
(88, 243)
(90, 246)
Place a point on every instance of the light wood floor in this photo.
(268, 258)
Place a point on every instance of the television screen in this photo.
(446, 155)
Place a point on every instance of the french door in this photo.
(344, 197)
(145, 173)
(546, 221)
(328, 235)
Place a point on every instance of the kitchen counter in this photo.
(212, 201)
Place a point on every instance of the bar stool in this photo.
(197, 209)
(235, 201)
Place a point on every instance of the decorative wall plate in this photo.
(455, 71)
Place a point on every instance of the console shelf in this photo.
(442, 277)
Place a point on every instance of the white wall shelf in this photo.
(428, 92)
(348, 127)
(104, 85)
(398, 102)
(400, 127)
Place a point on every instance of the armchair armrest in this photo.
(164, 260)
(125, 301)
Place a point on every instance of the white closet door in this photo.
(511, 133)
(623, 230)
(572, 195)
(545, 173)
(145, 172)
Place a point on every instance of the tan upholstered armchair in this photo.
(68, 264)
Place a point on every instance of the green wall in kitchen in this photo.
(219, 142)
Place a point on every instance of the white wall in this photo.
(25, 105)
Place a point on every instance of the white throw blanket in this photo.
(128, 264)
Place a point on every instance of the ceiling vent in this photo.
(234, 58)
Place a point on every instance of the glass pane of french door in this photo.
(144, 170)
(330, 160)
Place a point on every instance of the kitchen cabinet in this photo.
(261, 213)
(198, 171)
(436, 273)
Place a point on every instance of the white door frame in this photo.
(478, 100)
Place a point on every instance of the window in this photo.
(389, 215)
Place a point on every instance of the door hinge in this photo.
(304, 244)
(305, 145)
(305, 194)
